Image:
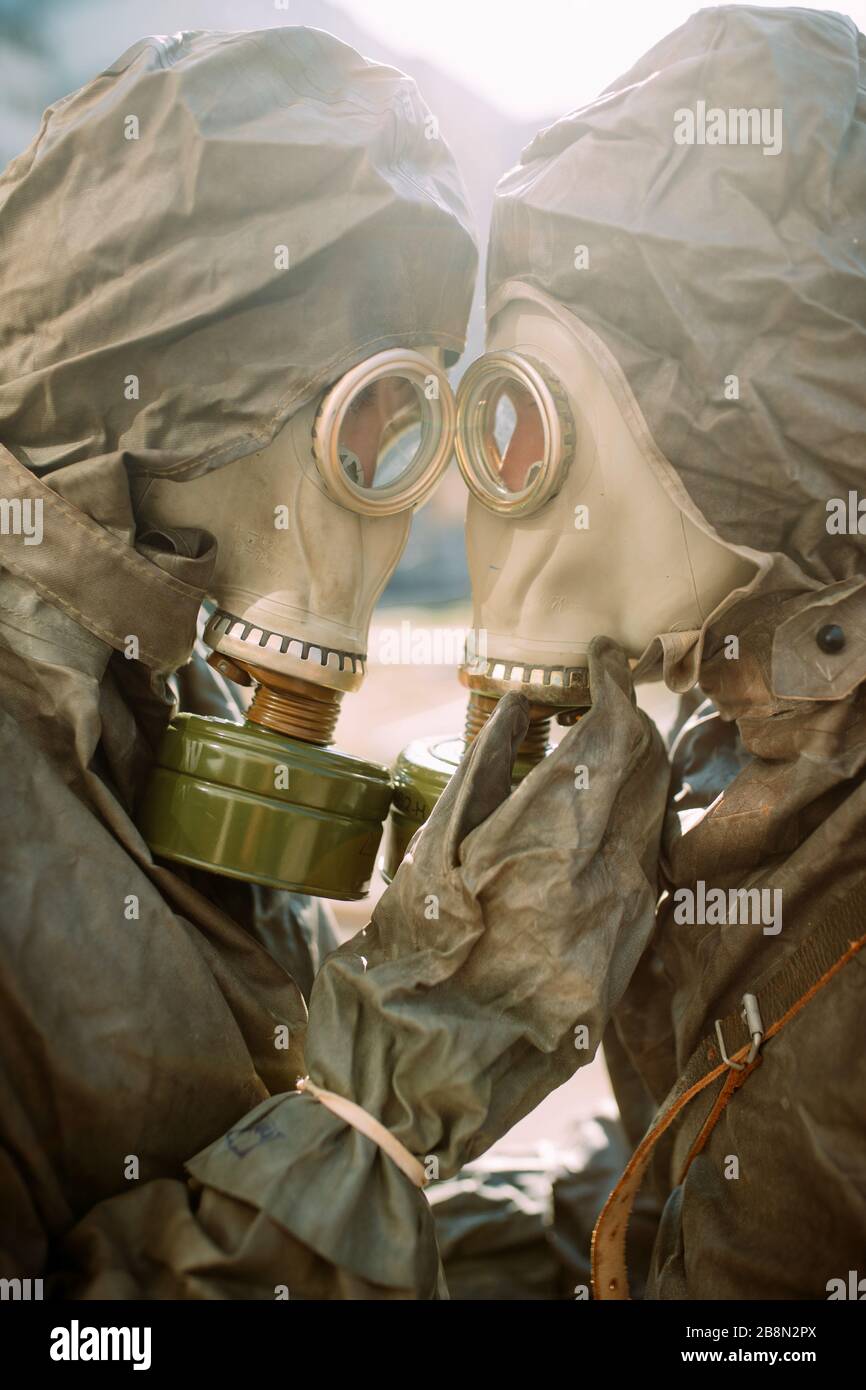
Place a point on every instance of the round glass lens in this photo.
(382, 432)
(513, 435)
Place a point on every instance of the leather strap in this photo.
(101, 581)
(833, 943)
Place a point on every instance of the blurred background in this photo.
(493, 72)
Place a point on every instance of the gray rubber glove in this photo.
(509, 934)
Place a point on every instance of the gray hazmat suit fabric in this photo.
(707, 259)
(152, 1142)
(140, 1011)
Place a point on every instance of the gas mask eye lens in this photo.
(513, 437)
(398, 453)
(515, 433)
(384, 434)
(381, 433)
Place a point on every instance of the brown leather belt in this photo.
(827, 950)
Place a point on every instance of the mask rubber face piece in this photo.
(347, 473)
(269, 801)
(592, 542)
(515, 445)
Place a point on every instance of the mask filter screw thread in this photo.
(536, 744)
(286, 705)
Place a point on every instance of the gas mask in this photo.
(570, 534)
(309, 531)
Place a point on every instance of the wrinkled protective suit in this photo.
(137, 1001)
(707, 260)
(153, 1141)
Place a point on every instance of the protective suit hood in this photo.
(722, 287)
(187, 219)
(195, 245)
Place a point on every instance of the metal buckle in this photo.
(751, 1016)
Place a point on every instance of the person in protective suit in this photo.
(665, 444)
(212, 256)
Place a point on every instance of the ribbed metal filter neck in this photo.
(298, 713)
(537, 741)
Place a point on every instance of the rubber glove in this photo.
(509, 934)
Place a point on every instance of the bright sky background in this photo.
(534, 57)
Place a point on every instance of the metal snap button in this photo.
(830, 638)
